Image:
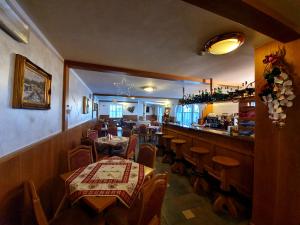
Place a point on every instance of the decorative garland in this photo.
(218, 96)
(278, 93)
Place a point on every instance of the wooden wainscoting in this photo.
(242, 150)
(42, 162)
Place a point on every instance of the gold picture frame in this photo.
(86, 105)
(32, 85)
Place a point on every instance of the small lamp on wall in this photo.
(68, 109)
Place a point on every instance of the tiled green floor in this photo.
(180, 196)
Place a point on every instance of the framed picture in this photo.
(32, 85)
(86, 105)
(95, 107)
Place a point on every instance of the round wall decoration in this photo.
(278, 92)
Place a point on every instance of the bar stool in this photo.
(178, 166)
(224, 199)
(167, 158)
(160, 145)
(200, 183)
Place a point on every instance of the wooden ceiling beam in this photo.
(132, 72)
(243, 13)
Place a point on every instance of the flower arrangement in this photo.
(277, 93)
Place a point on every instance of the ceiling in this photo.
(103, 83)
(287, 11)
(149, 101)
(153, 35)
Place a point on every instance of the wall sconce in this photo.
(68, 109)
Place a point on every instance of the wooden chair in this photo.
(126, 132)
(98, 127)
(144, 132)
(113, 130)
(147, 207)
(130, 150)
(154, 123)
(147, 155)
(79, 157)
(34, 212)
(154, 221)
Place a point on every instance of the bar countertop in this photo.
(212, 131)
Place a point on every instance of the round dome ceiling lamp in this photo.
(224, 43)
(149, 88)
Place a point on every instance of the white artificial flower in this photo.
(291, 97)
(279, 110)
(278, 81)
(289, 104)
(288, 83)
(284, 76)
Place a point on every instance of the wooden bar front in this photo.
(219, 143)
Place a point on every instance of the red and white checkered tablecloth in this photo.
(109, 177)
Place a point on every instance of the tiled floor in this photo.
(184, 207)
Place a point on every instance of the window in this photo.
(159, 113)
(179, 114)
(196, 113)
(115, 111)
(187, 114)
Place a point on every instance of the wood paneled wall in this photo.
(42, 162)
(242, 150)
(277, 151)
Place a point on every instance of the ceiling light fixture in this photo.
(149, 88)
(224, 43)
(124, 87)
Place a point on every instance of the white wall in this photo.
(78, 89)
(226, 107)
(104, 108)
(22, 127)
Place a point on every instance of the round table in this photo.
(114, 141)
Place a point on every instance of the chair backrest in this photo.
(136, 210)
(92, 134)
(130, 151)
(147, 155)
(79, 157)
(143, 129)
(153, 198)
(33, 210)
(126, 132)
(89, 142)
(113, 130)
(98, 127)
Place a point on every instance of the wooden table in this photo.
(99, 203)
(113, 142)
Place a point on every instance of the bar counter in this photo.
(219, 142)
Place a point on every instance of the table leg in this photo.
(63, 200)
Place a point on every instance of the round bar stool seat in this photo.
(168, 157)
(225, 161)
(224, 199)
(200, 183)
(178, 166)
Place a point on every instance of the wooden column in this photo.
(276, 199)
(65, 100)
